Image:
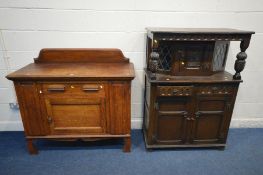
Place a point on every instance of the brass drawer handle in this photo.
(192, 68)
(91, 87)
(56, 88)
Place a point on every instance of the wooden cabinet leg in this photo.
(127, 145)
(31, 147)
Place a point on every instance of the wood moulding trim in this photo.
(78, 136)
(69, 78)
(199, 37)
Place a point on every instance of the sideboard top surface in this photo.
(77, 64)
(198, 30)
(220, 77)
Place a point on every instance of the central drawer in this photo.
(174, 90)
(72, 88)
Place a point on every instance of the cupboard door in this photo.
(171, 117)
(76, 115)
(210, 117)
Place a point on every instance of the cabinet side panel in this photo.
(120, 108)
(152, 118)
(30, 109)
(230, 111)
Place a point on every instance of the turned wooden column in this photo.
(154, 59)
(241, 58)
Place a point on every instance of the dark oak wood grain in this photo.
(71, 94)
(189, 97)
(191, 114)
(169, 50)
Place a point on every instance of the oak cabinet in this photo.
(189, 115)
(72, 94)
(189, 97)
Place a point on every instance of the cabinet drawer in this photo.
(215, 90)
(174, 90)
(74, 89)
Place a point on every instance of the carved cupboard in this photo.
(189, 97)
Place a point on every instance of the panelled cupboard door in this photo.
(171, 120)
(210, 117)
(76, 115)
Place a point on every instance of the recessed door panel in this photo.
(171, 128)
(76, 115)
(207, 127)
(210, 116)
(171, 116)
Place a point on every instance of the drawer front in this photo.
(82, 89)
(174, 90)
(215, 90)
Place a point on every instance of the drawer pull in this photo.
(56, 88)
(184, 113)
(192, 68)
(90, 88)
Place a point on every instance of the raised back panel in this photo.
(81, 55)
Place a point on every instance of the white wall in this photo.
(30, 25)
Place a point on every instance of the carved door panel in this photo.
(210, 116)
(76, 115)
(171, 120)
